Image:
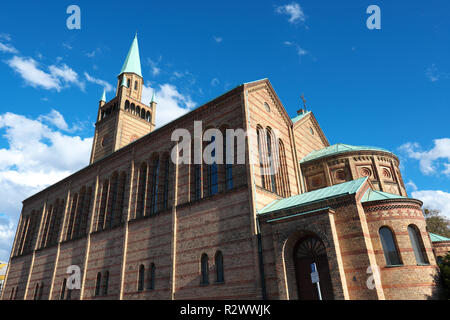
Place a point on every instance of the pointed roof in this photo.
(334, 191)
(337, 149)
(133, 62)
(153, 97)
(103, 96)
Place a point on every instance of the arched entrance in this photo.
(310, 250)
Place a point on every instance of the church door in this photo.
(307, 251)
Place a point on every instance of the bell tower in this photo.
(125, 118)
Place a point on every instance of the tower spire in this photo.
(132, 63)
(103, 99)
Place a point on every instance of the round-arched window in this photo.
(389, 247)
(417, 244)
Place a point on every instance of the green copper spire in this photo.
(153, 97)
(104, 96)
(133, 62)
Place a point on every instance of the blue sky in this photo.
(387, 88)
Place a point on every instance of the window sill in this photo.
(220, 282)
(394, 266)
(423, 264)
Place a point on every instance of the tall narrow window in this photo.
(417, 244)
(219, 267)
(228, 165)
(118, 217)
(73, 212)
(270, 157)
(141, 190)
(80, 211)
(198, 181)
(151, 283)
(155, 177)
(212, 171)
(141, 277)
(113, 203)
(101, 216)
(204, 270)
(98, 284)
(389, 247)
(85, 214)
(166, 184)
(106, 283)
(63, 290)
(261, 156)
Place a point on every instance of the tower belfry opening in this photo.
(124, 118)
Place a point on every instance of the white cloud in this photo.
(108, 87)
(300, 50)
(218, 39)
(433, 74)
(36, 156)
(57, 78)
(171, 103)
(154, 66)
(215, 82)
(434, 199)
(432, 160)
(7, 48)
(294, 11)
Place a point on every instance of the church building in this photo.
(135, 224)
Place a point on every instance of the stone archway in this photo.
(310, 249)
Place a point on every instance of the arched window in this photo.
(271, 158)
(73, 210)
(141, 190)
(417, 244)
(260, 138)
(143, 113)
(63, 290)
(119, 217)
(141, 277)
(219, 267)
(127, 105)
(128, 83)
(148, 116)
(85, 213)
(106, 283)
(112, 200)
(138, 111)
(212, 171)
(133, 108)
(166, 183)
(80, 210)
(155, 185)
(152, 275)
(228, 163)
(135, 85)
(389, 247)
(204, 270)
(98, 284)
(101, 216)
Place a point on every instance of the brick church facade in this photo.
(141, 226)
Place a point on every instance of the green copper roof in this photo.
(342, 189)
(436, 238)
(104, 96)
(374, 195)
(153, 97)
(133, 62)
(300, 117)
(337, 149)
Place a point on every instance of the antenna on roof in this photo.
(301, 111)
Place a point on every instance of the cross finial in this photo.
(304, 104)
